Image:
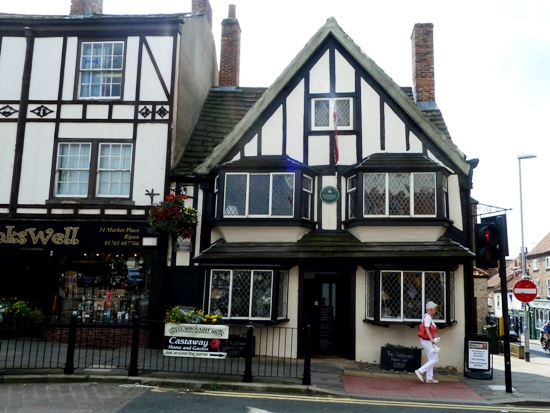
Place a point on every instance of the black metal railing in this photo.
(137, 346)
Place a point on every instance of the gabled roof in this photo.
(331, 28)
(543, 247)
(332, 245)
(222, 110)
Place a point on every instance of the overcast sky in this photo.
(492, 70)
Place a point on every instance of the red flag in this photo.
(336, 153)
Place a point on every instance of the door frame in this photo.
(345, 279)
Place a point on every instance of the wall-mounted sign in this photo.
(329, 194)
(72, 234)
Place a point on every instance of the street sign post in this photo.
(525, 291)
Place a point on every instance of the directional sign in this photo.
(525, 291)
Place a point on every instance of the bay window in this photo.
(259, 195)
(248, 294)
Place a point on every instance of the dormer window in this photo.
(330, 114)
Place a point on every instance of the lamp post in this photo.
(523, 275)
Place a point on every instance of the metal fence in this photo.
(138, 347)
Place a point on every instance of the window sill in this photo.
(88, 201)
(412, 324)
(398, 221)
(279, 222)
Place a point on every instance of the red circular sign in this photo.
(525, 291)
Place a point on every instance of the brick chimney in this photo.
(80, 7)
(422, 43)
(230, 49)
(202, 7)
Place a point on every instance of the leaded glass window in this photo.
(352, 196)
(307, 196)
(324, 112)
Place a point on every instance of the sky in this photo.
(492, 74)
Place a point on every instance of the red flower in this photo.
(215, 343)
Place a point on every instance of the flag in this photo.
(336, 153)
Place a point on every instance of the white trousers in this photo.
(428, 367)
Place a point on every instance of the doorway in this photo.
(328, 309)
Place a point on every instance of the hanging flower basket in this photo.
(172, 217)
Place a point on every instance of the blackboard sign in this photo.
(237, 346)
(400, 359)
(326, 329)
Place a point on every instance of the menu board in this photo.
(326, 329)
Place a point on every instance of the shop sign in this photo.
(83, 234)
(196, 340)
(329, 194)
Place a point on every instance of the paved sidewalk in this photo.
(530, 381)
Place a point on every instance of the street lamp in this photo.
(523, 275)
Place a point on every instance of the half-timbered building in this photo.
(335, 199)
(94, 109)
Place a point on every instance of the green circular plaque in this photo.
(329, 194)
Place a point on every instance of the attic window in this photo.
(325, 111)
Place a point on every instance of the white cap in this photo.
(430, 305)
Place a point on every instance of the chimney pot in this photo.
(80, 7)
(423, 65)
(230, 50)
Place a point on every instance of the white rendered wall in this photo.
(455, 205)
(258, 234)
(12, 61)
(162, 49)
(96, 130)
(150, 161)
(370, 106)
(151, 86)
(319, 150)
(7, 142)
(295, 123)
(347, 149)
(394, 132)
(329, 214)
(345, 75)
(251, 148)
(272, 134)
(46, 68)
(70, 68)
(414, 143)
(319, 76)
(130, 71)
(452, 353)
(398, 234)
(36, 168)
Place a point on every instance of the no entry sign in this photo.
(525, 291)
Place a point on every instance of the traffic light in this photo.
(488, 244)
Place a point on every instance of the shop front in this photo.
(104, 271)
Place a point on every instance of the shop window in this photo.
(402, 295)
(101, 65)
(77, 176)
(330, 114)
(259, 195)
(247, 294)
(399, 194)
(102, 287)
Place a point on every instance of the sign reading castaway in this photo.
(196, 340)
(81, 234)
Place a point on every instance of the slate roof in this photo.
(222, 110)
(542, 248)
(330, 245)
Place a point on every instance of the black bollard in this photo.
(247, 378)
(133, 368)
(306, 380)
(69, 361)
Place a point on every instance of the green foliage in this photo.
(176, 315)
(172, 217)
(19, 308)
